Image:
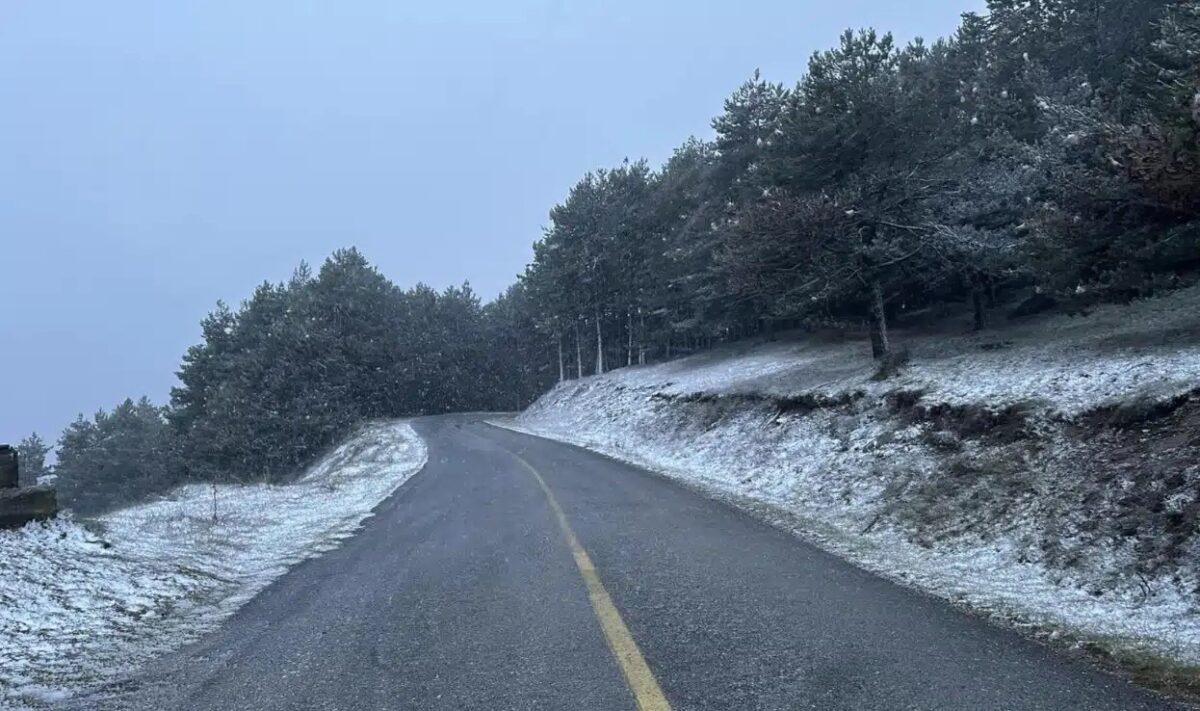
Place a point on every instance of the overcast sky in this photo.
(157, 156)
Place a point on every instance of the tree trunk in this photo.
(578, 352)
(599, 346)
(562, 370)
(980, 307)
(629, 338)
(641, 338)
(880, 347)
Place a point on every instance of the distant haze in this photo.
(158, 156)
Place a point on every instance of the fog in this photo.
(158, 157)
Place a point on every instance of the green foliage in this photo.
(31, 453)
(302, 362)
(115, 457)
(293, 370)
(1045, 142)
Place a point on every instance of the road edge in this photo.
(1160, 675)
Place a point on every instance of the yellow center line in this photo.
(641, 681)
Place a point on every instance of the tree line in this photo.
(1047, 144)
(289, 373)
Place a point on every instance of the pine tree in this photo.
(115, 458)
(32, 452)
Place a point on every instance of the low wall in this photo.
(31, 503)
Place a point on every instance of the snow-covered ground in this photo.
(988, 524)
(81, 604)
(1067, 364)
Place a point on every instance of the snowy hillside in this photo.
(1045, 472)
(1062, 363)
(81, 604)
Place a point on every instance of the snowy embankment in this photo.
(80, 604)
(1046, 473)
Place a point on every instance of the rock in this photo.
(32, 503)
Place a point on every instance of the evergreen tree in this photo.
(31, 454)
(115, 457)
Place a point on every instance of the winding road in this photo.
(519, 573)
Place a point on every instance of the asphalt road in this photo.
(464, 592)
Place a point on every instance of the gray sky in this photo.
(157, 156)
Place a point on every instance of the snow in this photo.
(80, 603)
(1067, 364)
(839, 476)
